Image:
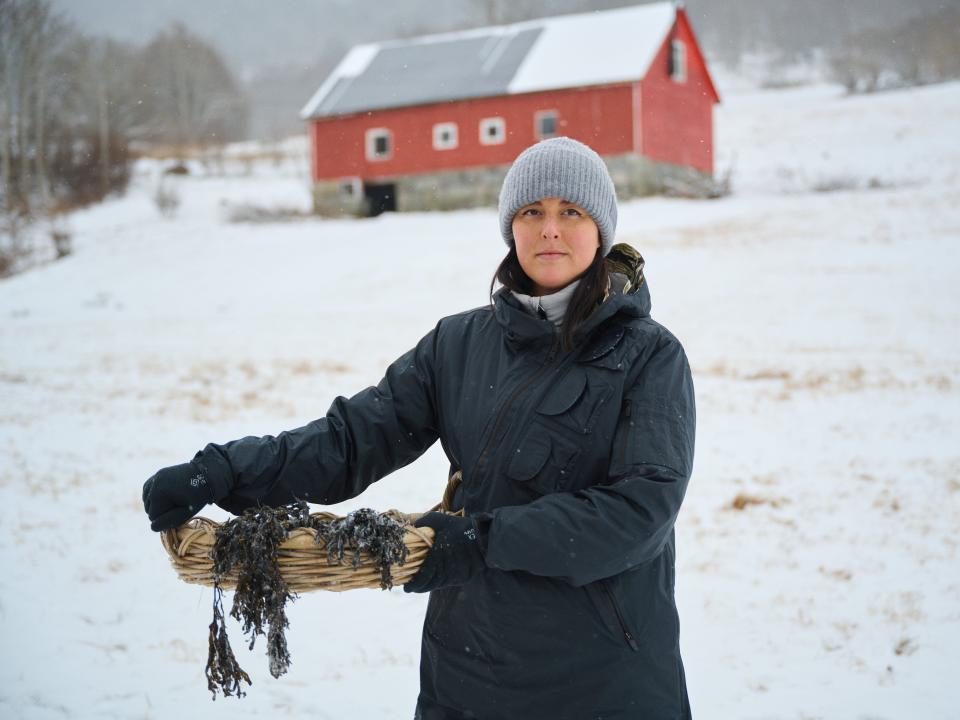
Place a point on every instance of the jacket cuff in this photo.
(217, 471)
(482, 523)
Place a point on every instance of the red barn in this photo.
(434, 122)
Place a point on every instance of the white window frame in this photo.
(678, 61)
(452, 142)
(539, 116)
(500, 137)
(372, 135)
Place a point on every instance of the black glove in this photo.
(175, 494)
(456, 556)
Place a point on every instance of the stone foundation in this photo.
(331, 198)
(451, 190)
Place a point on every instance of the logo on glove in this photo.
(197, 481)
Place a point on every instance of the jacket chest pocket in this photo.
(576, 401)
(543, 461)
(546, 456)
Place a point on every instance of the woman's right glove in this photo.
(175, 494)
(456, 556)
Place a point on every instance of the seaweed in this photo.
(223, 671)
(247, 545)
(365, 530)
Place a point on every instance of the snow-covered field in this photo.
(818, 569)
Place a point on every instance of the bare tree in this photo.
(50, 149)
(494, 12)
(8, 52)
(194, 99)
(52, 36)
(103, 98)
(918, 51)
(31, 38)
(943, 43)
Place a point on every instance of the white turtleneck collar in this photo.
(550, 307)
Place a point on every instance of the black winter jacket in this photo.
(575, 465)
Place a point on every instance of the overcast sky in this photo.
(251, 33)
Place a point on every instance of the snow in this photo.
(580, 50)
(821, 328)
(826, 141)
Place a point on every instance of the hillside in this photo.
(817, 552)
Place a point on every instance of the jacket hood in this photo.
(627, 292)
(625, 269)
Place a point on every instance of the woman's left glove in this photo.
(456, 557)
(175, 494)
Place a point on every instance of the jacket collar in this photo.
(550, 307)
(627, 293)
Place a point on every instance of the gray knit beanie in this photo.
(561, 168)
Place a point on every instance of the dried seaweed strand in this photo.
(365, 531)
(223, 671)
(248, 545)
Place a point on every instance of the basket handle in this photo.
(446, 504)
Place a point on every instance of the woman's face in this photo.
(556, 242)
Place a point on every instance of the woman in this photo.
(571, 416)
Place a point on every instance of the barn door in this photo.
(380, 198)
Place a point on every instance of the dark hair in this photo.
(589, 293)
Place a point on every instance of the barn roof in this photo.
(585, 49)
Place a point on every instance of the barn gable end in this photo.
(677, 113)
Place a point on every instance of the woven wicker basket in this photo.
(303, 562)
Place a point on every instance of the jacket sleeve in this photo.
(626, 519)
(334, 458)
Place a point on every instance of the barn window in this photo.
(445, 136)
(678, 61)
(493, 131)
(545, 124)
(379, 144)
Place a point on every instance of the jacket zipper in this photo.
(506, 406)
(622, 450)
(632, 641)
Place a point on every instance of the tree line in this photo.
(918, 51)
(74, 108)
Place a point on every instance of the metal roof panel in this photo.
(422, 73)
(578, 50)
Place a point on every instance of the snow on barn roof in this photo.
(585, 49)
